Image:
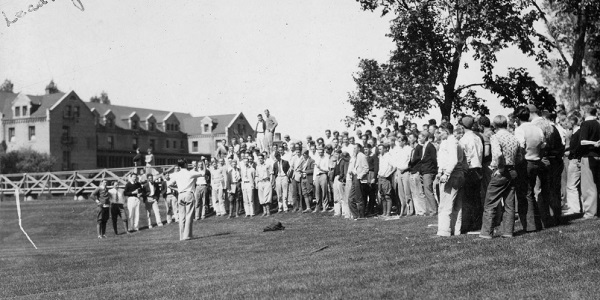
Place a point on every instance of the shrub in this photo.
(26, 161)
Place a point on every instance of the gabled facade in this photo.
(204, 133)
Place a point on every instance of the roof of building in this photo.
(122, 113)
(44, 102)
(193, 126)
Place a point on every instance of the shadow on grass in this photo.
(210, 235)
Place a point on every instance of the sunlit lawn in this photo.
(317, 256)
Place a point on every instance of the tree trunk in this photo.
(576, 68)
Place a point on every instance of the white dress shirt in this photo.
(473, 147)
(185, 180)
(321, 164)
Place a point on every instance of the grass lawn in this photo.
(234, 259)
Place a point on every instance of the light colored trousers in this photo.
(133, 208)
(260, 141)
(152, 205)
(418, 195)
(573, 181)
(248, 199)
(268, 143)
(345, 201)
(320, 182)
(186, 214)
(218, 201)
(450, 208)
(281, 189)
(264, 192)
(403, 188)
(171, 201)
(339, 192)
(589, 191)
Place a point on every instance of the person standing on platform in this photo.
(271, 126)
(260, 129)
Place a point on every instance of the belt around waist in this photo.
(321, 174)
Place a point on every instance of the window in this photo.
(244, 129)
(66, 131)
(206, 128)
(167, 144)
(134, 124)
(68, 111)
(194, 146)
(152, 144)
(151, 126)
(168, 127)
(175, 144)
(24, 111)
(176, 127)
(182, 145)
(134, 142)
(31, 132)
(66, 159)
(17, 111)
(11, 134)
(111, 143)
(75, 111)
(109, 122)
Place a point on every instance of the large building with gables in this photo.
(88, 135)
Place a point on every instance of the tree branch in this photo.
(547, 23)
(460, 88)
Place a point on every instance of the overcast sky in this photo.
(206, 57)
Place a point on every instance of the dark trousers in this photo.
(553, 204)
(103, 213)
(385, 194)
(372, 203)
(528, 173)
(201, 201)
(356, 198)
(296, 188)
(472, 204)
(118, 210)
(235, 200)
(501, 186)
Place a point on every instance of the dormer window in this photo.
(151, 126)
(24, 111)
(134, 124)
(206, 128)
(17, 111)
(109, 122)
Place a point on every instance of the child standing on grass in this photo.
(102, 198)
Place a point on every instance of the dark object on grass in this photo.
(274, 227)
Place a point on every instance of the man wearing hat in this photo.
(320, 177)
(472, 204)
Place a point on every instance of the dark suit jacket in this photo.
(284, 163)
(415, 160)
(373, 168)
(428, 164)
(146, 188)
(341, 169)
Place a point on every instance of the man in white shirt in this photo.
(217, 184)
(320, 177)
(260, 129)
(473, 204)
(185, 181)
(201, 190)
(263, 181)
(248, 183)
(384, 177)
(451, 166)
(401, 162)
(328, 137)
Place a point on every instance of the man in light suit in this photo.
(358, 171)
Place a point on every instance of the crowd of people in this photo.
(469, 174)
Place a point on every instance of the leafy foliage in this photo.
(431, 38)
(102, 99)
(7, 86)
(26, 161)
(52, 88)
(573, 26)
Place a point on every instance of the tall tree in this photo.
(572, 26)
(431, 39)
(103, 98)
(7, 86)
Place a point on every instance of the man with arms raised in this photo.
(185, 181)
